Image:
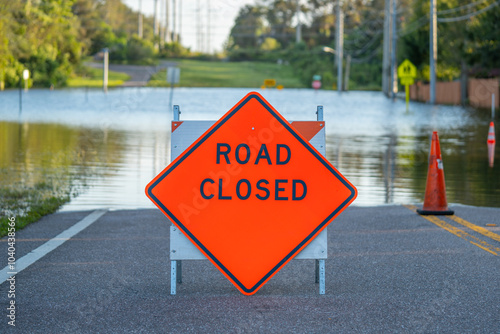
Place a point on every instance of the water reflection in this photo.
(116, 143)
(32, 153)
(491, 154)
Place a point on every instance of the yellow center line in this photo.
(476, 228)
(486, 249)
(458, 232)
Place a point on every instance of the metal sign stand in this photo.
(181, 247)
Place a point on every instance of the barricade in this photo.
(184, 133)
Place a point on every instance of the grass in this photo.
(28, 205)
(92, 77)
(196, 73)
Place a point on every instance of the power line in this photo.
(413, 26)
(468, 16)
(368, 45)
(457, 9)
(424, 20)
(367, 57)
(367, 37)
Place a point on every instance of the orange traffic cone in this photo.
(435, 190)
(491, 144)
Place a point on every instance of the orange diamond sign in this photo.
(251, 193)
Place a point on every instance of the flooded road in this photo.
(107, 147)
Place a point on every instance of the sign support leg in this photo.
(316, 271)
(177, 113)
(173, 277)
(320, 264)
(319, 113)
(321, 277)
(179, 271)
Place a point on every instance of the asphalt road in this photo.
(139, 74)
(389, 270)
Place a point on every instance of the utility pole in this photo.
(162, 12)
(202, 32)
(174, 37)
(394, 79)
(155, 19)
(298, 31)
(179, 32)
(208, 27)
(433, 51)
(105, 65)
(139, 25)
(340, 44)
(347, 71)
(386, 65)
(167, 30)
(198, 25)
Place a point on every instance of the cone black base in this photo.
(435, 213)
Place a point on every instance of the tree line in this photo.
(51, 38)
(468, 38)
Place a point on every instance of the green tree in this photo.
(471, 38)
(113, 25)
(279, 16)
(483, 46)
(270, 44)
(247, 28)
(42, 36)
(139, 49)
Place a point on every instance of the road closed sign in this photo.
(251, 193)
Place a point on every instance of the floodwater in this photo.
(107, 147)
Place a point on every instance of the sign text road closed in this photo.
(251, 193)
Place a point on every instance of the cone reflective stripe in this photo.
(435, 191)
(491, 134)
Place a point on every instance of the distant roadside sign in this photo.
(173, 75)
(316, 83)
(407, 72)
(270, 82)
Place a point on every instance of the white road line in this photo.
(50, 245)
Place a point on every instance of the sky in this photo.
(222, 15)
